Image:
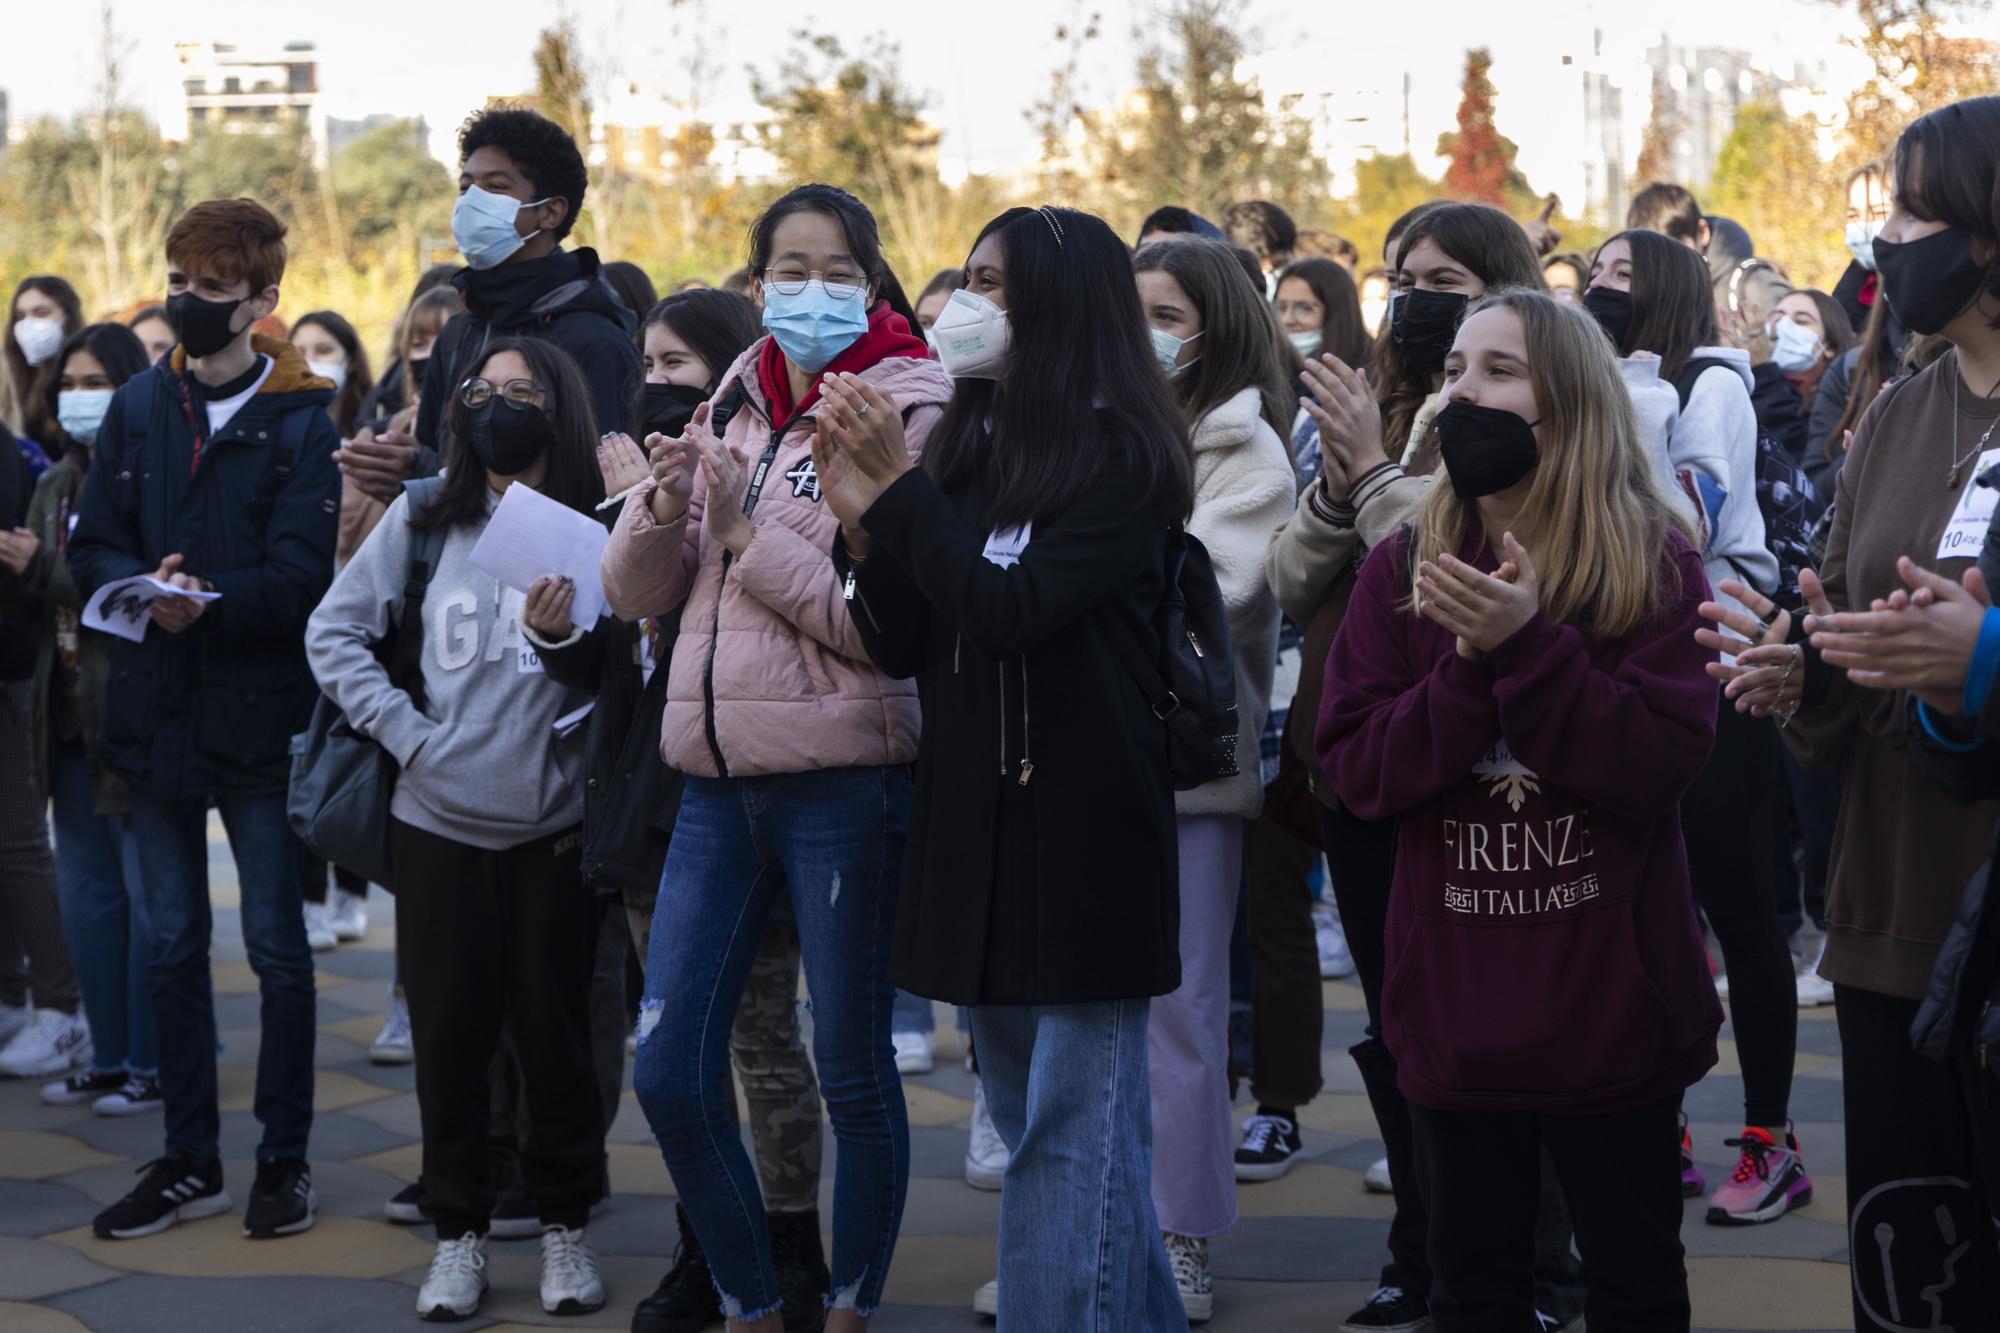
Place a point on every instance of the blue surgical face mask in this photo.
(1308, 343)
(1167, 349)
(482, 223)
(1861, 242)
(81, 411)
(815, 326)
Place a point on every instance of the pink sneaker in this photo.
(1769, 1181)
(1693, 1182)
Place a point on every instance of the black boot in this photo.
(685, 1301)
(803, 1280)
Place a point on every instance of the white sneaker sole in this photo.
(290, 1228)
(119, 1110)
(986, 1300)
(446, 1313)
(1251, 1172)
(191, 1211)
(391, 1055)
(1423, 1325)
(983, 1177)
(584, 1304)
(1199, 1309)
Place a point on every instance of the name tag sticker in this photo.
(527, 661)
(1965, 534)
(1004, 547)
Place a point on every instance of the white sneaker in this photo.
(12, 1019)
(570, 1284)
(1814, 989)
(1189, 1259)
(347, 913)
(52, 1043)
(913, 1052)
(393, 1045)
(319, 929)
(456, 1281)
(986, 1156)
(986, 1300)
(83, 1087)
(1377, 1179)
(139, 1094)
(1335, 961)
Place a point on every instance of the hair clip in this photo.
(1049, 216)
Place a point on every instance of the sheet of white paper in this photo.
(120, 607)
(569, 722)
(1965, 534)
(531, 536)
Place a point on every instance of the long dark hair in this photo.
(857, 227)
(635, 290)
(1946, 168)
(1082, 389)
(1342, 331)
(1239, 335)
(715, 323)
(1873, 368)
(346, 407)
(572, 477)
(116, 348)
(1673, 301)
(1495, 249)
(37, 423)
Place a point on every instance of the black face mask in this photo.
(1929, 281)
(1423, 325)
(507, 437)
(1612, 309)
(413, 375)
(203, 327)
(669, 407)
(1484, 449)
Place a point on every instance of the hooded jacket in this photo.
(769, 674)
(1541, 951)
(1243, 492)
(1713, 450)
(563, 298)
(213, 709)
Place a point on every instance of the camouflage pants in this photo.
(779, 1086)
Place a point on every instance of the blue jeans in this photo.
(912, 1013)
(835, 839)
(173, 865)
(1080, 1246)
(104, 914)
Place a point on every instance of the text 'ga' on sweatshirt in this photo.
(1541, 937)
(481, 763)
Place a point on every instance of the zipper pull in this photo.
(1195, 644)
(848, 591)
(1027, 771)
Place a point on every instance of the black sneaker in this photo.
(406, 1205)
(686, 1300)
(175, 1188)
(1390, 1310)
(281, 1201)
(514, 1217)
(803, 1279)
(1270, 1146)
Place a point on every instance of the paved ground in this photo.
(1304, 1254)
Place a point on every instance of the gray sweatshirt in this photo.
(1714, 454)
(481, 764)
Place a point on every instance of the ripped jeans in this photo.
(835, 839)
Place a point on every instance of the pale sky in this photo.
(980, 64)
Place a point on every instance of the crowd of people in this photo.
(1112, 643)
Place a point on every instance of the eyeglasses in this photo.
(476, 392)
(792, 282)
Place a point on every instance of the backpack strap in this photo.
(138, 397)
(726, 407)
(404, 669)
(1684, 382)
(292, 431)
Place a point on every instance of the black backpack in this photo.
(1192, 688)
(1785, 497)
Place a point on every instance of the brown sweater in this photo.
(1902, 852)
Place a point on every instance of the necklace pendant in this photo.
(1951, 480)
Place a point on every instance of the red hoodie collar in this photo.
(888, 335)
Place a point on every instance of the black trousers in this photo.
(1732, 874)
(1923, 1174)
(1287, 1010)
(1620, 1174)
(492, 940)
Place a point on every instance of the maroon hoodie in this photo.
(1542, 948)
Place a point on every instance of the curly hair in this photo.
(542, 150)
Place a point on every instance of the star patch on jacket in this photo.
(805, 480)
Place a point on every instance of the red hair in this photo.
(229, 239)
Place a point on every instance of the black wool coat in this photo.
(1042, 864)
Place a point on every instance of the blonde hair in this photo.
(1596, 509)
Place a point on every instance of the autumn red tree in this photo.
(1481, 168)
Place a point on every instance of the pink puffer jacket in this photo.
(767, 638)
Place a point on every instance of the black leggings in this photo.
(1724, 818)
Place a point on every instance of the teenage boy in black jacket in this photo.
(521, 184)
(214, 471)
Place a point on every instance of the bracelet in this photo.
(1784, 719)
